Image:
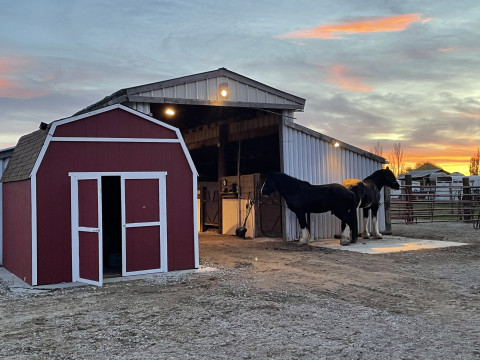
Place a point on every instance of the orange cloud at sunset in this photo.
(366, 25)
(339, 75)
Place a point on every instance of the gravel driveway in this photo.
(267, 299)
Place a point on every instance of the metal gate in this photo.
(426, 203)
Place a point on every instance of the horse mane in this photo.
(379, 177)
(287, 181)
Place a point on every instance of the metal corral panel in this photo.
(311, 156)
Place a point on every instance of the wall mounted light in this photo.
(336, 144)
(223, 91)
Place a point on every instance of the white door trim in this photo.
(76, 228)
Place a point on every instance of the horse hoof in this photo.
(302, 241)
(344, 242)
(379, 236)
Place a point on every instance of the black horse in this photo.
(367, 195)
(303, 198)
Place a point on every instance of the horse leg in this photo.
(366, 234)
(345, 238)
(376, 233)
(305, 237)
(348, 217)
(353, 223)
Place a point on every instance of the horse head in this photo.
(268, 186)
(390, 180)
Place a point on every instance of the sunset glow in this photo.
(372, 72)
(11, 84)
(339, 75)
(366, 25)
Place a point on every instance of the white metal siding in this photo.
(142, 107)
(207, 89)
(317, 161)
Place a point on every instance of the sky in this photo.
(372, 72)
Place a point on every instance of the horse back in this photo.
(322, 198)
(349, 183)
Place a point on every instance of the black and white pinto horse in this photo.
(367, 195)
(303, 198)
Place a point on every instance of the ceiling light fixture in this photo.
(169, 112)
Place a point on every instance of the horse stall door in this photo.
(144, 235)
(86, 231)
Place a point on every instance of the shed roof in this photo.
(24, 156)
(203, 89)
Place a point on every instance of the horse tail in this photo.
(353, 215)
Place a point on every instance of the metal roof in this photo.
(204, 89)
(6, 153)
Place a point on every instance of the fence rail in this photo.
(415, 204)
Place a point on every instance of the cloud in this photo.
(447, 49)
(14, 83)
(364, 25)
(339, 75)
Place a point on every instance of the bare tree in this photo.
(395, 158)
(474, 166)
(378, 149)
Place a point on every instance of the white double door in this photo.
(143, 222)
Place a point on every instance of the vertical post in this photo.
(388, 215)
(408, 193)
(282, 150)
(202, 194)
(222, 150)
(466, 199)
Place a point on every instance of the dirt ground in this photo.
(267, 299)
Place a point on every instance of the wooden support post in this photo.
(466, 199)
(222, 150)
(388, 216)
(408, 195)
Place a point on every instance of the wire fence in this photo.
(425, 203)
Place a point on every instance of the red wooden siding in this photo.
(53, 195)
(87, 203)
(115, 123)
(141, 200)
(143, 248)
(88, 251)
(17, 229)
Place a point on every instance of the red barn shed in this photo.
(112, 191)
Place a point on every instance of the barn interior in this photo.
(215, 135)
(233, 148)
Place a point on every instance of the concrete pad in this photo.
(389, 244)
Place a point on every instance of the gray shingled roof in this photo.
(24, 156)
